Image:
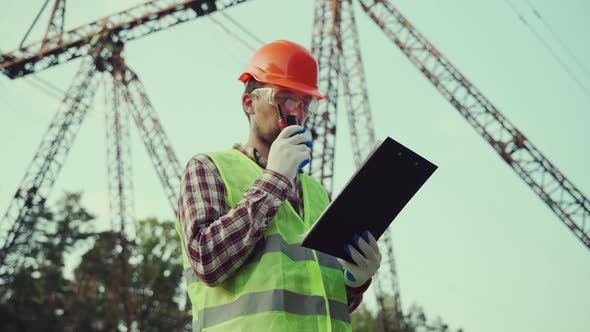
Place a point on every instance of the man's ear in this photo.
(247, 103)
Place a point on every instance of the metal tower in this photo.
(335, 45)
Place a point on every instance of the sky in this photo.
(476, 246)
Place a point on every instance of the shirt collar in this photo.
(251, 153)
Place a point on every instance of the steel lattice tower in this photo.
(335, 43)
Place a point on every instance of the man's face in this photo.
(264, 111)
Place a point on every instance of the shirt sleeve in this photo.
(355, 295)
(218, 239)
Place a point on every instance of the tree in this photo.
(363, 320)
(157, 277)
(38, 297)
(35, 296)
(415, 320)
(94, 305)
(155, 273)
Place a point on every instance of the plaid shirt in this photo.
(219, 239)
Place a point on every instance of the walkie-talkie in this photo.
(283, 123)
(291, 120)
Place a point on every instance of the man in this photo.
(242, 213)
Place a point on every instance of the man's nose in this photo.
(299, 111)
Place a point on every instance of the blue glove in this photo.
(287, 153)
(367, 261)
(306, 143)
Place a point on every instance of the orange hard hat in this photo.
(287, 64)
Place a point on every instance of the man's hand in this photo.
(367, 260)
(290, 151)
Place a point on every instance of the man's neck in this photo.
(261, 147)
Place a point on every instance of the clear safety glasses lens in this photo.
(263, 93)
(287, 99)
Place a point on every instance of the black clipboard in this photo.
(377, 192)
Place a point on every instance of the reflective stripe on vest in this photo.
(272, 300)
(275, 243)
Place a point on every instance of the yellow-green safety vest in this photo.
(282, 286)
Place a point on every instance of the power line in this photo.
(235, 36)
(556, 36)
(45, 90)
(49, 85)
(34, 22)
(52, 90)
(48, 88)
(231, 34)
(243, 28)
(55, 89)
(231, 49)
(549, 48)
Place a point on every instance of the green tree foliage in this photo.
(157, 277)
(415, 320)
(95, 302)
(39, 297)
(155, 274)
(364, 321)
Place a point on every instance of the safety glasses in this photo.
(288, 100)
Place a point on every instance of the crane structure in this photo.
(335, 44)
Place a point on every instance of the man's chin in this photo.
(270, 137)
(273, 136)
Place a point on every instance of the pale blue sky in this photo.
(475, 246)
